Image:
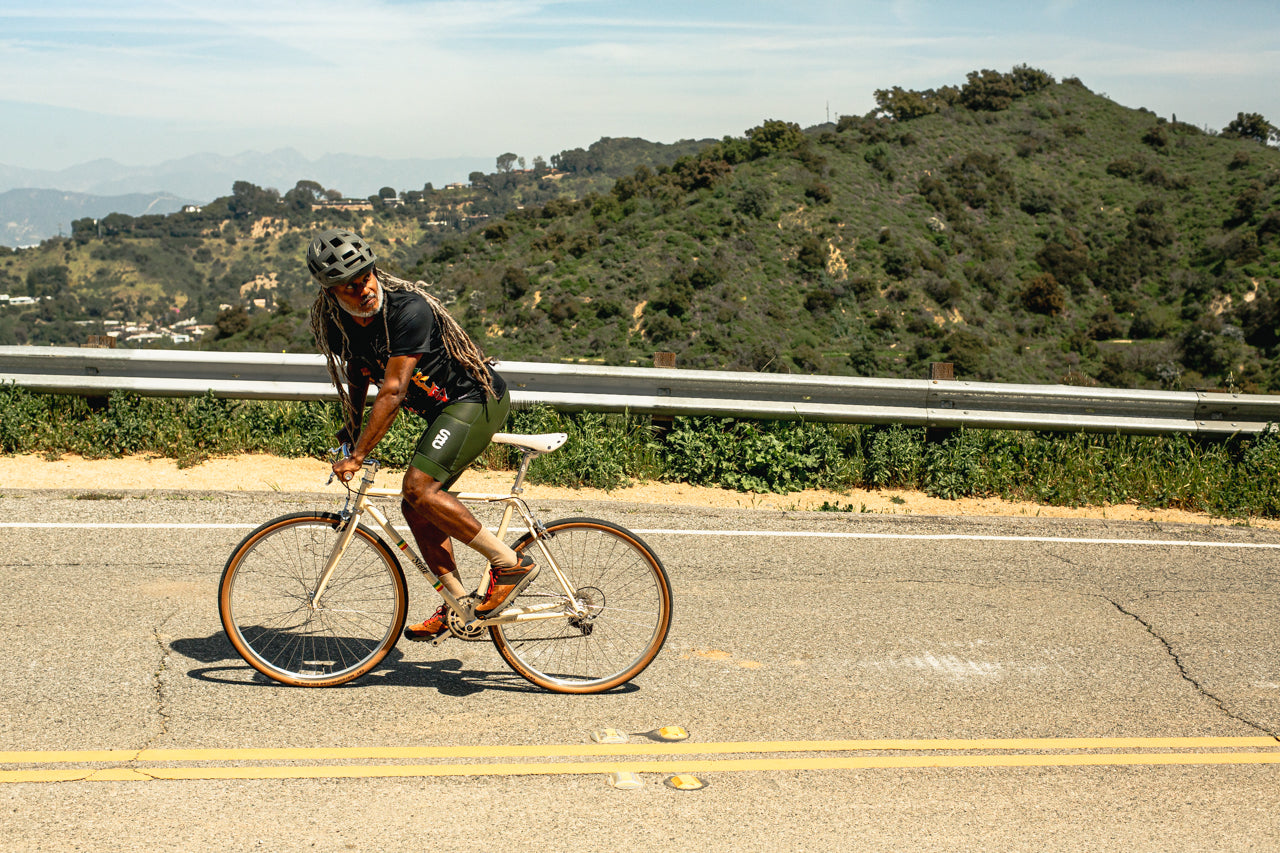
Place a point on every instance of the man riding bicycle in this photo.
(374, 328)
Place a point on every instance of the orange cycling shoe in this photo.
(506, 584)
(431, 627)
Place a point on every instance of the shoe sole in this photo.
(424, 638)
(515, 592)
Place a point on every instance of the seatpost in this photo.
(527, 456)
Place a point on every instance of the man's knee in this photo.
(420, 491)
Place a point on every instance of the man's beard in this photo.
(377, 306)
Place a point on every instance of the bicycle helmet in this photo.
(336, 256)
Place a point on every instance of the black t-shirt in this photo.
(438, 379)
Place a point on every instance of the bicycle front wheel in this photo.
(623, 589)
(266, 601)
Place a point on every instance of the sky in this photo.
(153, 80)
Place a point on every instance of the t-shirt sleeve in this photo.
(411, 328)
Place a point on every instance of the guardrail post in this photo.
(662, 423)
(98, 402)
(940, 371)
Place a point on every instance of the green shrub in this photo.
(1239, 476)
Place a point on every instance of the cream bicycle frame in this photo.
(465, 608)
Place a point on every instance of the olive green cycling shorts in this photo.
(457, 436)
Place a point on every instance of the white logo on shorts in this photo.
(441, 437)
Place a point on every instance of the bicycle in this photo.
(317, 599)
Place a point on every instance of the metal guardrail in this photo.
(657, 391)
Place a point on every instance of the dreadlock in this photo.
(457, 343)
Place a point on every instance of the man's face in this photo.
(361, 296)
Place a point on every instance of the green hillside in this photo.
(1024, 229)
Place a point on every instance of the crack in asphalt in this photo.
(161, 702)
(157, 683)
(1184, 672)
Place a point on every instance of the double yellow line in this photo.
(665, 758)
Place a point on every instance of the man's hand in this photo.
(345, 469)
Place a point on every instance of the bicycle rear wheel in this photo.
(627, 597)
(265, 601)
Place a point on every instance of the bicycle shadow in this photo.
(448, 676)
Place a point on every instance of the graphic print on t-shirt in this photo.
(434, 391)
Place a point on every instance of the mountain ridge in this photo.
(28, 216)
(206, 176)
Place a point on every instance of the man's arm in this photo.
(358, 391)
(391, 393)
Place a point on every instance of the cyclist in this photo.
(374, 328)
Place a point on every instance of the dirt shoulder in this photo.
(261, 473)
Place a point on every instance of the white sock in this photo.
(453, 584)
(493, 548)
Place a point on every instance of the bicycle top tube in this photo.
(530, 445)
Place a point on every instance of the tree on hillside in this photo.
(231, 321)
(505, 161)
(902, 104)
(1252, 126)
(574, 160)
(248, 200)
(115, 223)
(988, 90)
(51, 280)
(1043, 295)
(774, 137)
(303, 195)
(1028, 80)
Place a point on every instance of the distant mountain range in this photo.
(29, 216)
(35, 203)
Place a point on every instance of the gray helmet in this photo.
(336, 256)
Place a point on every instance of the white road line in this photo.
(122, 525)
(794, 534)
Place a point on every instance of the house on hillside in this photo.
(343, 204)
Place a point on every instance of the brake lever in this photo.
(344, 450)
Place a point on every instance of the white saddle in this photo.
(544, 443)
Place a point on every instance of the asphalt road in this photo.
(847, 681)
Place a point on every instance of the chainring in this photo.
(458, 628)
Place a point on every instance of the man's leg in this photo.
(431, 515)
(436, 547)
(435, 516)
(456, 437)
